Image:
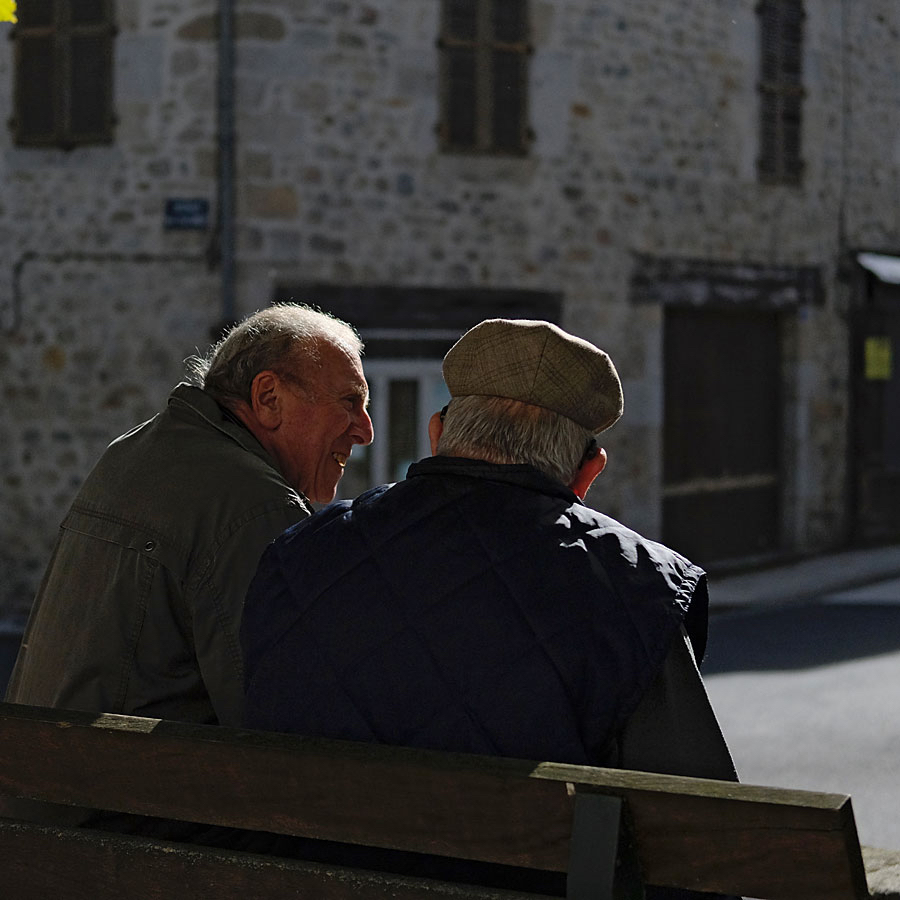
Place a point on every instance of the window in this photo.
(485, 49)
(781, 90)
(63, 73)
(404, 395)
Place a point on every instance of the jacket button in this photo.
(150, 545)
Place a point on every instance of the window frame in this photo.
(781, 91)
(378, 463)
(63, 33)
(486, 48)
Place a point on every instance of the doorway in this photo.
(721, 432)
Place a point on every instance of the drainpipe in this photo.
(226, 205)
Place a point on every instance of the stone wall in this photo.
(644, 114)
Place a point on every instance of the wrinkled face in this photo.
(321, 422)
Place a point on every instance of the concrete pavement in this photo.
(869, 575)
(805, 579)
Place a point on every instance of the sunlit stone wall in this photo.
(644, 115)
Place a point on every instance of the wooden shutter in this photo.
(509, 74)
(484, 76)
(781, 90)
(63, 73)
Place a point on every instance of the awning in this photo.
(884, 268)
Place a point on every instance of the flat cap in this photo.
(536, 362)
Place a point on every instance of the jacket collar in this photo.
(187, 396)
(523, 476)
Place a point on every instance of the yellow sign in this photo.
(878, 358)
(8, 11)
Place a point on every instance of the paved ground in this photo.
(805, 579)
(807, 696)
(806, 676)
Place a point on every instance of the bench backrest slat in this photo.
(779, 850)
(86, 865)
(689, 832)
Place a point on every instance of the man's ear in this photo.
(590, 468)
(435, 430)
(265, 399)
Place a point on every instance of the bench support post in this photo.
(602, 862)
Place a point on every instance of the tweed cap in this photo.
(536, 362)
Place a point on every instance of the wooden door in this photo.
(721, 432)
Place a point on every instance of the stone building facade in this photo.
(637, 218)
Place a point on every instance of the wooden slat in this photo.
(85, 865)
(745, 839)
(760, 848)
(737, 838)
(452, 805)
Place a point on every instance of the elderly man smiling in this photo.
(140, 607)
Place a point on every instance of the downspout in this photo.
(226, 204)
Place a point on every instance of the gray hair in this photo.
(281, 337)
(504, 431)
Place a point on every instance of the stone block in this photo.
(270, 202)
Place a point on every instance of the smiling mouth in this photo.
(340, 459)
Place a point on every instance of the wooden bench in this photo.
(663, 830)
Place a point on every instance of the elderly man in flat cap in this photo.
(479, 605)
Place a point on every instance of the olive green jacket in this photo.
(139, 609)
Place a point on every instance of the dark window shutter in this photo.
(36, 104)
(508, 100)
(63, 73)
(781, 90)
(768, 139)
(510, 21)
(89, 97)
(31, 13)
(89, 12)
(484, 76)
(461, 98)
(461, 18)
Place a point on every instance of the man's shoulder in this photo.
(178, 470)
(634, 565)
(600, 525)
(336, 515)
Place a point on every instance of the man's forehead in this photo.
(342, 369)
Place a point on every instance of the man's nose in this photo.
(363, 430)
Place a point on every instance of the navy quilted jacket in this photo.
(472, 607)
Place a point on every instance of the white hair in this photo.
(499, 430)
(285, 337)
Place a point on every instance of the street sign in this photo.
(186, 212)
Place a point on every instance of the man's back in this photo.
(480, 606)
(138, 611)
(472, 607)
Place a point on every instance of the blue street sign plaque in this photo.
(187, 212)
